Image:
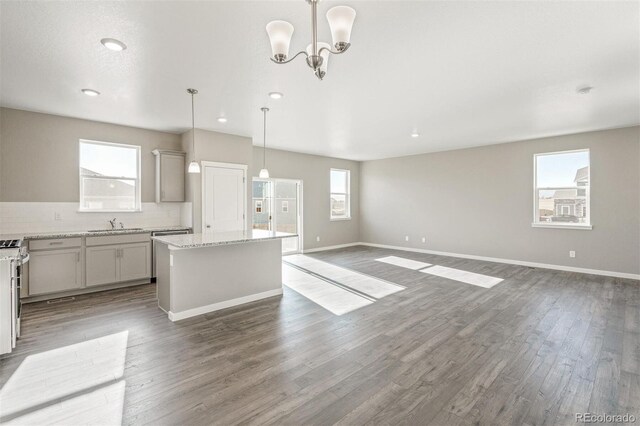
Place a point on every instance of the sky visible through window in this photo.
(558, 170)
(338, 181)
(109, 160)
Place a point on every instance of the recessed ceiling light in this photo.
(276, 95)
(415, 135)
(113, 44)
(90, 92)
(584, 90)
(222, 119)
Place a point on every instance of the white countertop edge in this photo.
(173, 241)
(75, 234)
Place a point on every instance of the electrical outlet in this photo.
(424, 239)
(318, 238)
(406, 238)
(57, 216)
(572, 253)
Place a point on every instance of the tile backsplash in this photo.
(19, 218)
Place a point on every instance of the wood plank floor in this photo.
(537, 348)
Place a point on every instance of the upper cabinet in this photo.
(169, 175)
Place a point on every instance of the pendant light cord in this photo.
(193, 128)
(264, 139)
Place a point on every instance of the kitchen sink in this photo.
(115, 230)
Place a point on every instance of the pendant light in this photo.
(194, 166)
(264, 173)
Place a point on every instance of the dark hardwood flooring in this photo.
(535, 349)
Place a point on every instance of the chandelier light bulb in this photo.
(341, 22)
(280, 33)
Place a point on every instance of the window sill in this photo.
(336, 219)
(562, 226)
(109, 211)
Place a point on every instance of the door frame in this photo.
(216, 164)
(272, 207)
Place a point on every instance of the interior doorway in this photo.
(277, 206)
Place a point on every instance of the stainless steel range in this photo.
(12, 258)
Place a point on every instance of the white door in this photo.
(223, 198)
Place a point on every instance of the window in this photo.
(258, 206)
(109, 177)
(285, 207)
(340, 199)
(561, 198)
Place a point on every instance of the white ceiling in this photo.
(460, 73)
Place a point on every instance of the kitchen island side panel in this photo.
(209, 275)
(163, 275)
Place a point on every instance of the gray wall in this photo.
(39, 154)
(314, 170)
(479, 201)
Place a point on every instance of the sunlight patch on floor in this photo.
(480, 280)
(362, 283)
(103, 406)
(405, 263)
(336, 300)
(83, 373)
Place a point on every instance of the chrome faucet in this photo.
(113, 223)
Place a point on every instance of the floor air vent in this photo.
(62, 299)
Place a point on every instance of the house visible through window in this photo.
(562, 189)
(109, 176)
(258, 206)
(340, 198)
(285, 207)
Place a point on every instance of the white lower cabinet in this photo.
(102, 265)
(52, 271)
(64, 264)
(118, 263)
(135, 261)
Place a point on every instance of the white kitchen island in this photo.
(200, 273)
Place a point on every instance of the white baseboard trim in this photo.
(495, 259)
(177, 316)
(513, 262)
(313, 250)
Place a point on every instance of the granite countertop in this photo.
(212, 239)
(72, 234)
(9, 254)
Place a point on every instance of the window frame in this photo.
(346, 194)
(536, 211)
(137, 179)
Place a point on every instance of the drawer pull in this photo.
(55, 243)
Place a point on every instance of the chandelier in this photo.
(340, 21)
